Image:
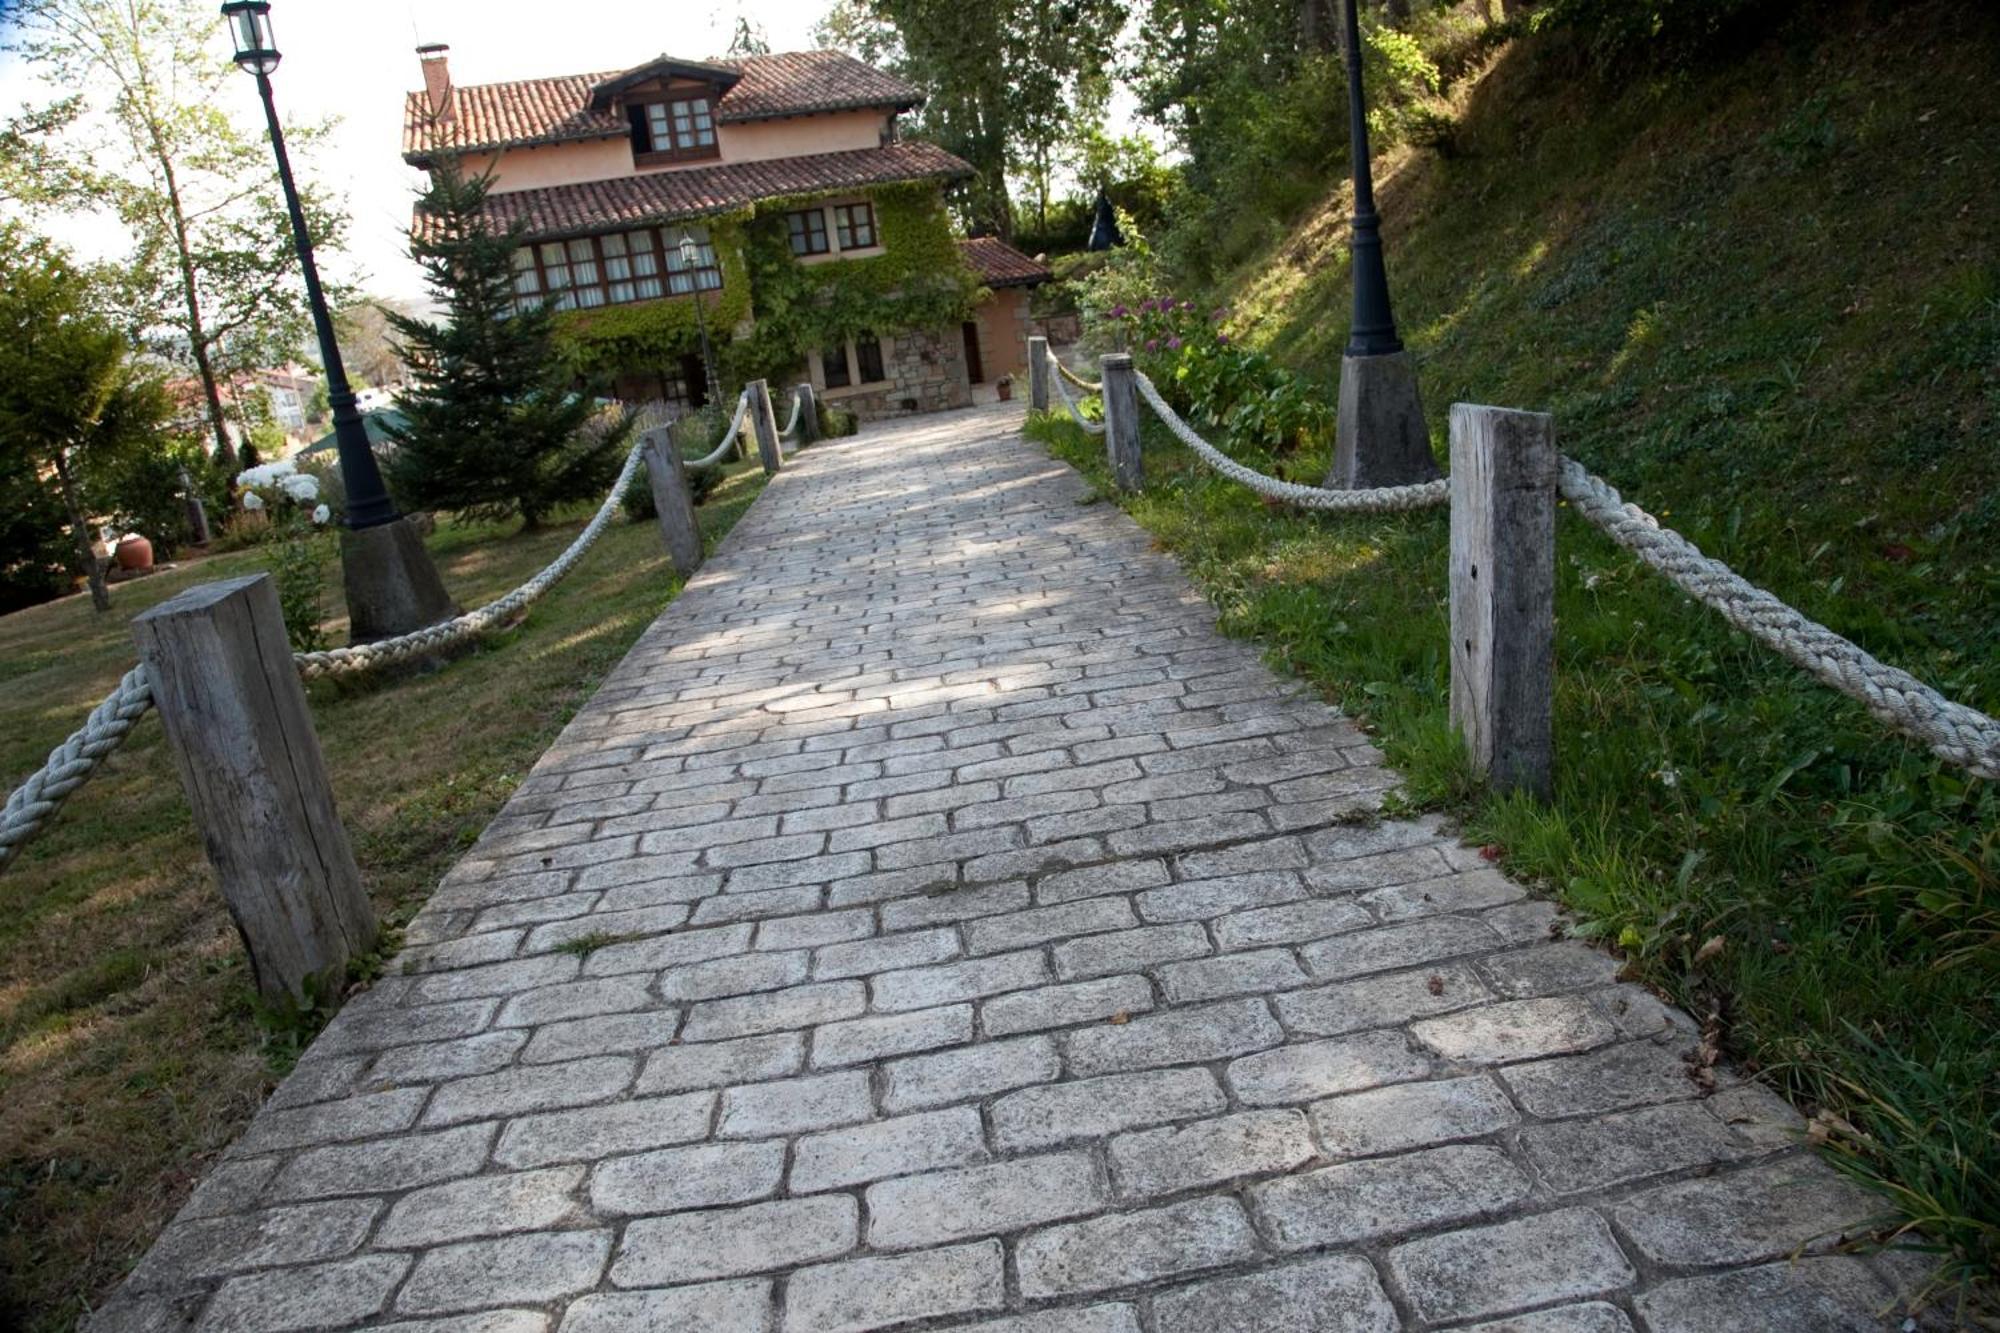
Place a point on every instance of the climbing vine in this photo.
(918, 280)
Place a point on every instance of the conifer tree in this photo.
(493, 423)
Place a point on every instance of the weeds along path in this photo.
(935, 918)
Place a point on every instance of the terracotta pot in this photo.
(1006, 388)
(134, 553)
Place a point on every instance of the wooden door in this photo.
(974, 373)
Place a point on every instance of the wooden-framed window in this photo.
(852, 364)
(675, 129)
(807, 228)
(833, 367)
(705, 275)
(868, 359)
(613, 269)
(854, 224)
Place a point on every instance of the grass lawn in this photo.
(131, 1050)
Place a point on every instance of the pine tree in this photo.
(493, 422)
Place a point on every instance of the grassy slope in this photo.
(1767, 304)
(130, 1052)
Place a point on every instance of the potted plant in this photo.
(1005, 384)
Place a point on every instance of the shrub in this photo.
(835, 422)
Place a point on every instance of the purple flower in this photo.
(1187, 305)
(1222, 339)
(1220, 313)
(1174, 344)
(1119, 312)
(1152, 344)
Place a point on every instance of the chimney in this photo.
(437, 78)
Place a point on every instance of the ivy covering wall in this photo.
(918, 280)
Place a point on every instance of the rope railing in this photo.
(1381, 499)
(715, 456)
(1074, 378)
(1062, 391)
(1954, 732)
(70, 764)
(792, 426)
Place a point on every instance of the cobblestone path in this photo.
(934, 923)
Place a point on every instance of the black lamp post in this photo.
(392, 586)
(1374, 331)
(1380, 437)
(690, 262)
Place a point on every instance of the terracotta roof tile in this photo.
(999, 264)
(664, 196)
(555, 110)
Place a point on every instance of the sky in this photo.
(355, 60)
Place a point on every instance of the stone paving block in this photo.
(440, 988)
(1073, 1319)
(1291, 923)
(1124, 1249)
(814, 929)
(729, 1242)
(870, 1293)
(793, 1106)
(1763, 1212)
(231, 1187)
(945, 1206)
(774, 1011)
(885, 953)
(1334, 1295)
(1113, 877)
(1825, 1295)
(1385, 1001)
(575, 999)
(356, 1029)
(349, 1118)
(1533, 1261)
(1635, 1073)
(663, 951)
(599, 1131)
(1400, 865)
(1065, 1005)
(907, 1144)
(1208, 1152)
(1304, 1070)
(1231, 974)
(1129, 950)
(1464, 891)
(321, 1296)
(1590, 1317)
(740, 1306)
(1180, 1036)
(717, 1064)
(741, 974)
(1528, 922)
(1516, 1030)
(860, 1040)
(701, 1176)
(384, 1166)
(949, 983)
(1759, 1115)
(1411, 1115)
(1202, 899)
(967, 1074)
(950, 903)
(1395, 947)
(1576, 1155)
(636, 922)
(528, 1269)
(739, 907)
(536, 1088)
(795, 874)
(1548, 969)
(482, 1206)
(1094, 1107)
(295, 1234)
(606, 1034)
(1387, 1196)
(1021, 930)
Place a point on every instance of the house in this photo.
(768, 200)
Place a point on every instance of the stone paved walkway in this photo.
(934, 922)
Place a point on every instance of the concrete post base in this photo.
(1380, 437)
(392, 585)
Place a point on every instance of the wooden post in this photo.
(197, 512)
(673, 502)
(1121, 420)
(1038, 373)
(236, 720)
(1503, 570)
(765, 424)
(808, 413)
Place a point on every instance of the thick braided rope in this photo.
(1954, 732)
(70, 764)
(1062, 391)
(798, 408)
(1074, 378)
(434, 638)
(728, 436)
(1380, 499)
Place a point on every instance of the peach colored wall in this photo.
(1003, 333)
(608, 159)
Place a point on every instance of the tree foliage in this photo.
(493, 423)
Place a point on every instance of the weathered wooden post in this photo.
(236, 720)
(808, 413)
(765, 423)
(673, 500)
(1503, 571)
(1038, 373)
(1121, 420)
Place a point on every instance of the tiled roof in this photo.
(663, 196)
(555, 110)
(999, 264)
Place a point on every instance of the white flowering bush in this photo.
(290, 500)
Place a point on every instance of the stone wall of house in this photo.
(926, 373)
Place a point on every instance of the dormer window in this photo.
(676, 130)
